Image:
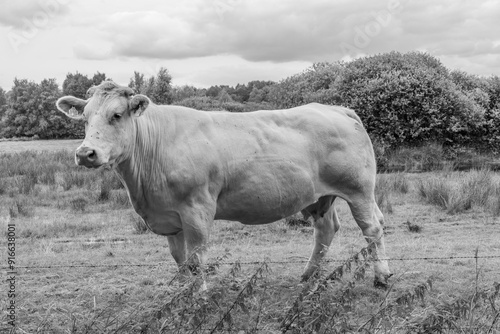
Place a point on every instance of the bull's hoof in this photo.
(309, 272)
(382, 282)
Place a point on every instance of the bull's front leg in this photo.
(196, 224)
(177, 247)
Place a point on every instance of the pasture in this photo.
(86, 264)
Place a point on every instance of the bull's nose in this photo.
(86, 156)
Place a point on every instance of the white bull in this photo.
(184, 168)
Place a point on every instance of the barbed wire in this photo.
(85, 265)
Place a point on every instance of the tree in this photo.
(98, 78)
(257, 95)
(213, 91)
(3, 102)
(241, 93)
(76, 85)
(224, 96)
(162, 88)
(148, 87)
(184, 92)
(137, 83)
(158, 87)
(50, 122)
(32, 112)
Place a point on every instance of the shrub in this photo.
(395, 182)
(403, 99)
(4, 186)
(200, 103)
(413, 227)
(26, 183)
(296, 221)
(233, 106)
(49, 175)
(421, 159)
(78, 204)
(109, 181)
(21, 207)
(25, 208)
(460, 191)
(442, 193)
(73, 178)
(383, 199)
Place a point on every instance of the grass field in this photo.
(86, 265)
(39, 145)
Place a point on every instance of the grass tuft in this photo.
(73, 178)
(413, 227)
(296, 221)
(79, 204)
(459, 192)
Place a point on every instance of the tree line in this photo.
(404, 99)
(28, 108)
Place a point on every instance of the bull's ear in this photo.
(138, 103)
(71, 106)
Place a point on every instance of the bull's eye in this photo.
(116, 117)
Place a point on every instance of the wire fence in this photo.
(115, 265)
(219, 327)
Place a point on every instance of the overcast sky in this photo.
(205, 42)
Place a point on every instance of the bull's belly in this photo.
(265, 202)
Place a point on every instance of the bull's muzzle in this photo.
(85, 156)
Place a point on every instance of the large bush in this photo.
(403, 99)
(408, 99)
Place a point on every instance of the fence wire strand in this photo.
(116, 265)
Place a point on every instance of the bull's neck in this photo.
(145, 165)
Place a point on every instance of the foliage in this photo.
(316, 84)
(180, 93)
(137, 82)
(209, 104)
(462, 192)
(30, 109)
(157, 87)
(77, 84)
(403, 99)
(3, 102)
(31, 112)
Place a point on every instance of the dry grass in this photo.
(133, 288)
(461, 191)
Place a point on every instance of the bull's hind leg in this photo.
(326, 224)
(369, 218)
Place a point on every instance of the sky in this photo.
(225, 42)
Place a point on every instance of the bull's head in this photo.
(109, 114)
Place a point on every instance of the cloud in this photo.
(315, 30)
(17, 14)
(463, 28)
(254, 30)
(280, 35)
(85, 51)
(155, 35)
